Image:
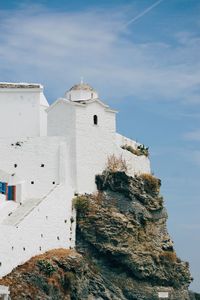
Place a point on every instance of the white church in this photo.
(47, 155)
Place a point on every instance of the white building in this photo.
(47, 154)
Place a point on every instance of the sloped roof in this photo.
(43, 100)
(80, 103)
(82, 86)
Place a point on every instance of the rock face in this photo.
(124, 251)
(125, 231)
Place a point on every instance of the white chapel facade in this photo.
(47, 155)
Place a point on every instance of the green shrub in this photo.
(46, 267)
(81, 204)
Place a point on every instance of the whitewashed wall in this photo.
(62, 122)
(43, 120)
(56, 166)
(77, 95)
(20, 113)
(6, 207)
(93, 143)
(61, 118)
(29, 158)
(136, 164)
(90, 145)
(47, 227)
(122, 140)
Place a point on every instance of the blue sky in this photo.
(148, 69)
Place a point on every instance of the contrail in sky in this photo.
(143, 13)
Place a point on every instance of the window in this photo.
(15, 165)
(92, 95)
(42, 165)
(32, 182)
(95, 119)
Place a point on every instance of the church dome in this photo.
(81, 92)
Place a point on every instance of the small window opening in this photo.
(32, 182)
(24, 248)
(15, 165)
(53, 182)
(58, 238)
(42, 165)
(95, 119)
(92, 95)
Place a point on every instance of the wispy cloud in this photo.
(58, 48)
(192, 135)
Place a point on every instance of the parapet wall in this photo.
(93, 155)
(136, 164)
(123, 140)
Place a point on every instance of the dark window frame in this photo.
(95, 120)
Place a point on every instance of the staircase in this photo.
(15, 217)
(21, 212)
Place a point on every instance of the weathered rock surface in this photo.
(125, 231)
(124, 251)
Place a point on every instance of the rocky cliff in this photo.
(123, 249)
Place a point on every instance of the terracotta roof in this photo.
(81, 86)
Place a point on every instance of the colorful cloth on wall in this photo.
(11, 194)
(2, 187)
